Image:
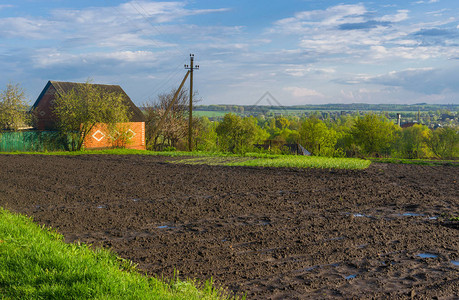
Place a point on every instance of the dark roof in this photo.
(64, 87)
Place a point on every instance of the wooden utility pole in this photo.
(191, 67)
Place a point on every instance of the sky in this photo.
(299, 51)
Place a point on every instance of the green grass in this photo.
(293, 161)
(209, 113)
(424, 162)
(35, 263)
(286, 161)
(113, 152)
(229, 159)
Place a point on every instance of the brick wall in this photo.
(45, 117)
(132, 136)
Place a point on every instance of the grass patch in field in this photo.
(423, 162)
(115, 152)
(213, 160)
(292, 161)
(35, 263)
(287, 161)
(230, 159)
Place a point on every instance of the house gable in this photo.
(42, 107)
(99, 137)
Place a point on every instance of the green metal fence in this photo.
(36, 141)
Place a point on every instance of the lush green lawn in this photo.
(35, 263)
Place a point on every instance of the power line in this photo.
(147, 17)
(172, 73)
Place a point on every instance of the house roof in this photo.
(64, 87)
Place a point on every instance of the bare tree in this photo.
(175, 124)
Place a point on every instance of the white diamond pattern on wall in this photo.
(98, 135)
(130, 133)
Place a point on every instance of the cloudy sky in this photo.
(301, 51)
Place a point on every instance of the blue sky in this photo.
(301, 51)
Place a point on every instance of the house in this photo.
(98, 137)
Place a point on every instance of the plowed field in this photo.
(269, 233)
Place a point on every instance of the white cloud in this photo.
(49, 58)
(162, 12)
(350, 32)
(2, 6)
(427, 80)
(401, 15)
(27, 28)
(331, 17)
(427, 2)
(299, 92)
(299, 71)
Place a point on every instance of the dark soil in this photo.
(268, 233)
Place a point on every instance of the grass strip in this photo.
(35, 263)
(230, 159)
(292, 161)
(422, 162)
(119, 151)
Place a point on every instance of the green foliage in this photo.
(317, 138)
(13, 108)
(411, 142)
(373, 134)
(78, 111)
(205, 135)
(36, 264)
(238, 135)
(444, 142)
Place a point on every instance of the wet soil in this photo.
(383, 232)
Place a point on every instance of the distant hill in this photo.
(330, 107)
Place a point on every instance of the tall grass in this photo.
(35, 263)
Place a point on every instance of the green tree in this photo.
(79, 110)
(373, 134)
(411, 142)
(13, 107)
(444, 142)
(282, 123)
(317, 138)
(236, 134)
(205, 134)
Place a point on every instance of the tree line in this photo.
(359, 135)
(349, 136)
(356, 135)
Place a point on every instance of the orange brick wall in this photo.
(99, 136)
